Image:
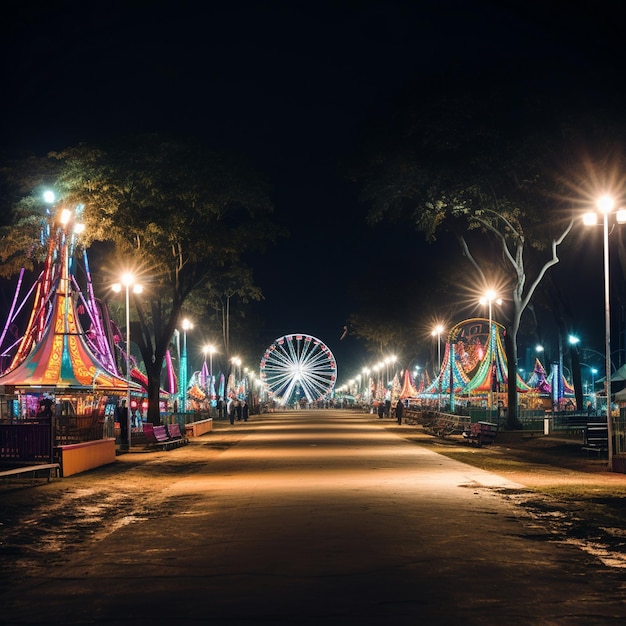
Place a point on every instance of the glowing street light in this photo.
(211, 350)
(436, 332)
(366, 379)
(605, 205)
(489, 298)
(236, 361)
(127, 281)
(186, 325)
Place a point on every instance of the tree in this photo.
(223, 303)
(236, 283)
(177, 213)
(495, 166)
(380, 338)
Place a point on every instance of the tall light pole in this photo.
(605, 205)
(127, 281)
(187, 325)
(211, 353)
(436, 332)
(366, 380)
(489, 298)
(236, 361)
(593, 372)
(387, 360)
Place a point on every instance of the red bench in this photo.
(159, 437)
(156, 436)
(173, 430)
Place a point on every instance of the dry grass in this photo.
(558, 470)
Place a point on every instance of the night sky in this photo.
(290, 84)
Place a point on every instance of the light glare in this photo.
(605, 204)
(590, 219)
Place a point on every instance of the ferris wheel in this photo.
(297, 366)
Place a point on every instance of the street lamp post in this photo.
(387, 360)
(605, 205)
(211, 353)
(187, 325)
(366, 380)
(236, 361)
(210, 350)
(593, 372)
(437, 333)
(490, 297)
(128, 281)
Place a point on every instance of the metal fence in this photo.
(27, 442)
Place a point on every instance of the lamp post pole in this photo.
(605, 205)
(489, 297)
(437, 332)
(128, 280)
(593, 386)
(128, 413)
(492, 360)
(183, 368)
(607, 332)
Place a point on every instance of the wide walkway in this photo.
(320, 517)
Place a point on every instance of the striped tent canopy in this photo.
(408, 389)
(61, 359)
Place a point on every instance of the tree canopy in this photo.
(500, 167)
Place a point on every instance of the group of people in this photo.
(384, 409)
(237, 410)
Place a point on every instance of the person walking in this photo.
(399, 410)
(121, 416)
(244, 410)
(230, 409)
(381, 410)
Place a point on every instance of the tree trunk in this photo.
(154, 392)
(576, 377)
(510, 347)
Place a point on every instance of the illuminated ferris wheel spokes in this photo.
(295, 363)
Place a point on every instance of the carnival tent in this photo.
(619, 376)
(539, 380)
(408, 389)
(61, 359)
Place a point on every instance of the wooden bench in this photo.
(596, 437)
(445, 425)
(158, 437)
(53, 469)
(481, 433)
(173, 430)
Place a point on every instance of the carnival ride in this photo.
(67, 348)
(298, 366)
(474, 365)
(69, 342)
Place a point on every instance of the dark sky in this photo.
(287, 83)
